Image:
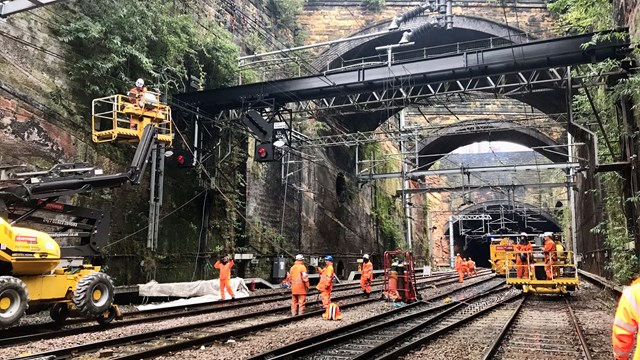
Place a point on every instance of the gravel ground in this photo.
(270, 339)
(595, 310)
(57, 343)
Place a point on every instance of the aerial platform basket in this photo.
(123, 118)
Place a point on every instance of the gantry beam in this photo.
(513, 68)
(17, 6)
(469, 170)
(481, 187)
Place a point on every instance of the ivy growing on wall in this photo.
(386, 211)
(581, 16)
(115, 42)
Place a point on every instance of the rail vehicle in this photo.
(58, 267)
(558, 276)
(500, 252)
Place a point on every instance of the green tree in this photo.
(115, 42)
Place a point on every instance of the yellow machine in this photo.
(554, 272)
(33, 257)
(35, 271)
(123, 118)
(501, 254)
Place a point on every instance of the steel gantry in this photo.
(529, 67)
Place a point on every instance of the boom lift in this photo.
(35, 271)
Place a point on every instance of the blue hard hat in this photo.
(328, 258)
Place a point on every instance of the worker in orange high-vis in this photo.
(472, 267)
(464, 265)
(299, 286)
(135, 94)
(549, 255)
(326, 281)
(367, 275)
(459, 267)
(225, 276)
(521, 257)
(625, 325)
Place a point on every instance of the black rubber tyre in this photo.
(108, 316)
(14, 300)
(59, 313)
(93, 295)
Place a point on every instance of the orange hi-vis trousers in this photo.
(326, 298)
(298, 303)
(226, 284)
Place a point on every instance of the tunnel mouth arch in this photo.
(434, 148)
(472, 237)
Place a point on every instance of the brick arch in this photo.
(466, 28)
(456, 136)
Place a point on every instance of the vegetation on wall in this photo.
(386, 211)
(115, 42)
(580, 16)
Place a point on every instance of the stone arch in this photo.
(466, 28)
(453, 137)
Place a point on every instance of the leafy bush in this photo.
(115, 42)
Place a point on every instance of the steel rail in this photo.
(35, 332)
(89, 347)
(395, 354)
(493, 347)
(576, 326)
(343, 335)
(499, 341)
(233, 333)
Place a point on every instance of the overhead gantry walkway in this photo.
(523, 70)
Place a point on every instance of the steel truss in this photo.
(399, 96)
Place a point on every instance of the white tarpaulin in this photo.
(198, 292)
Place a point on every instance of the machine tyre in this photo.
(108, 316)
(93, 295)
(14, 300)
(59, 313)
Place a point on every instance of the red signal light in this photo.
(262, 152)
(180, 159)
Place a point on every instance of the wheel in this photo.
(93, 295)
(107, 316)
(14, 300)
(59, 313)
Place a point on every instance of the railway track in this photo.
(164, 341)
(187, 310)
(36, 332)
(389, 335)
(551, 329)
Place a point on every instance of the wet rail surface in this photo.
(160, 342)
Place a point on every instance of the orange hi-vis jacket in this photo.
(137, 93)
(299, 278)
(458, 262)
(225, 269)
(549, 248)
(326, 277)
(626, 322)
(367, 272)
(471, 264)
(464, 265)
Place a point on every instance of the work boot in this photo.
(366, 295)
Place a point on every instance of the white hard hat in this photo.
(523, 234)
(299, 257)
(365, 256)
(139, 83)
(548, 233)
